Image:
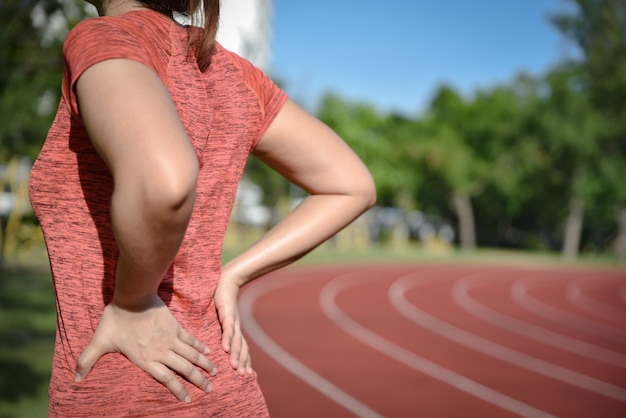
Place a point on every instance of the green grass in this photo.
(416, 253)
(27, 326)
(27, 312)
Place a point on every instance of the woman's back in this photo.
(225, 111)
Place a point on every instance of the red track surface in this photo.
(439, 341)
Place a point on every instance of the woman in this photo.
(134, 187)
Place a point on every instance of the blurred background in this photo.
(492, 128)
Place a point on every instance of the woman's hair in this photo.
(200, 41)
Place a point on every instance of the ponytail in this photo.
(203, 26)
(202, 41)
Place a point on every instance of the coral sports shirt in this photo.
(225, 111)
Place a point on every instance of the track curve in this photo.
(439, 340)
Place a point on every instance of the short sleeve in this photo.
(95, 40)
(271, 97)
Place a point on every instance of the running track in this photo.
(434, 340)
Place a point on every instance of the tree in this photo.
(31, 66)
(487, 154)
(447, 154)
(571, 127)
(598, 28)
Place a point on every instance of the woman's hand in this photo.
(153, 340)
(233, 341)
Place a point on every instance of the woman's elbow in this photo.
(179, 190)
(172, 190)
(371, 195)
(366, 191)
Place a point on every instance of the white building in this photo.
(246, 28)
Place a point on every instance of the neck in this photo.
(118, 7)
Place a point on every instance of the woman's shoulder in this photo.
(226, 61)
(129, 29)
(138, 36)
(255, 78)
(101, 26)
(223, 57)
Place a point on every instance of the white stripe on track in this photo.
(421, 364)
(460, 293)
(519, 293)
(281, 356)
(467, 339)
(575, 292)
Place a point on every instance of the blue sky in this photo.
(394, 53)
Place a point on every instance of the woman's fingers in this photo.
(240, 353)
(233, 341)
(185, 368)
(228, 327)
(193, 356)
(245, 365)
(88, 359)
(235, 350)
(192, 341)
(184, 357)
(234, 344)
(167, 378)
(154, 341)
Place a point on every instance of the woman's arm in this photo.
(311, 155)
(134, 126)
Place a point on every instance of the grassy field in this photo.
(27, 326)
(27, 313)
(328, 254)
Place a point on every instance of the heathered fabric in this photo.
(225, 111)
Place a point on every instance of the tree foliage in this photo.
(511, 164)
(598, 28)
(31, 67)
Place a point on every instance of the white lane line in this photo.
(421, 364)
(575, 292)
(397, 296)
(520, 294)
(254, 331)
(460, 293)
